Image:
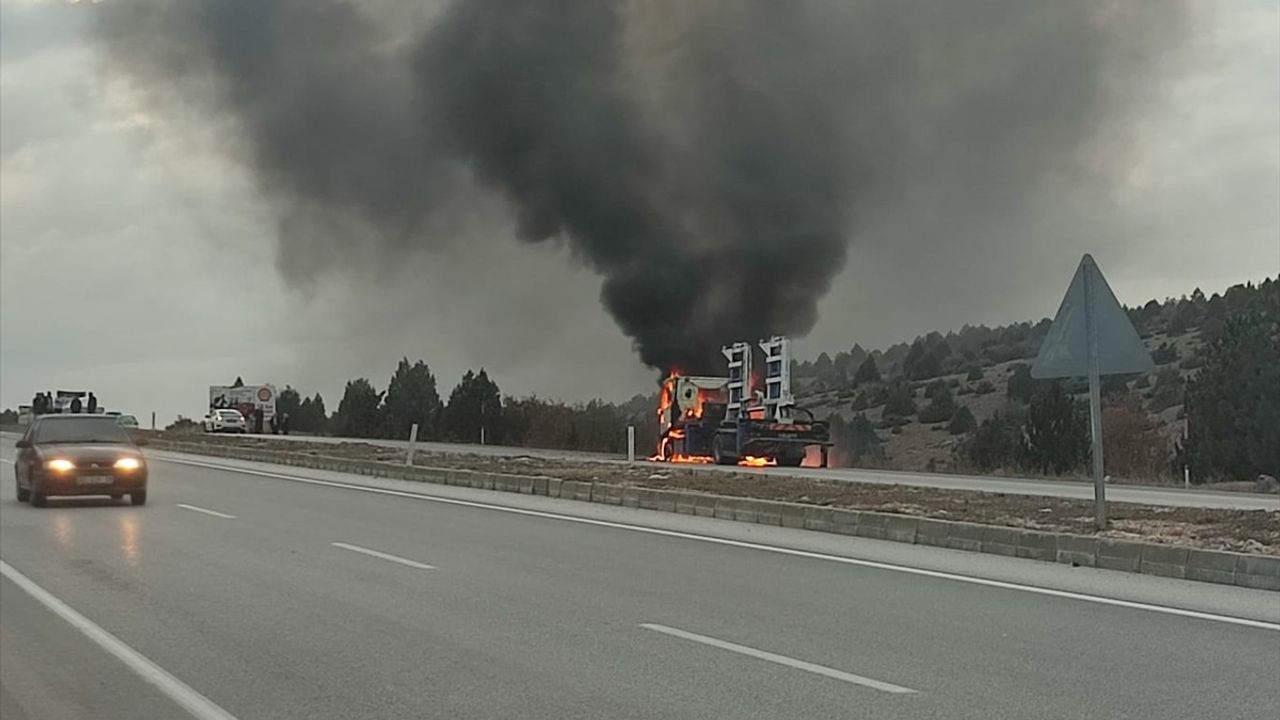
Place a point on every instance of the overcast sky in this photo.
(137, 258)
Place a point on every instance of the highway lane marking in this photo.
(939, 574)
(6, 460)
(183, 694)
(781, 659)
(206, 511)
(384, 556)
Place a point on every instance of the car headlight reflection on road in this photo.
(60, 465)
(128, 463)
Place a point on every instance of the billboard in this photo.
(245, 398)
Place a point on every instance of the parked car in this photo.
(78, 455)
(225, 420)
(127, 421)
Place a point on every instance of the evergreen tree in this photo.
(1021, 385)
(474, 403)
(1056, 433)
(867, 372)
(411, 398)
(1233, 415)
(961, 421)
(359, 411)
(901, 401)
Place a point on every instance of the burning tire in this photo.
(791, 461)
(719, 454)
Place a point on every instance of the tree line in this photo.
(474, 411)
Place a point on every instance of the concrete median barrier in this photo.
(1177, 561)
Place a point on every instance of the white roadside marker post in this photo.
(631, 444)
(413, 440)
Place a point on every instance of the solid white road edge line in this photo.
(1067, 594)
(184, 695)
(384, 556)
(780, 659)
(206, 511)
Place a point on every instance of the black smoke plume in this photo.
(710, 160)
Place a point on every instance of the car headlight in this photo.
(128, 463)
(60, 465)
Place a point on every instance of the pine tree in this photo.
(867, 372)
(1233, 417)
(411, 399)
(359, 412)
(1056, 433)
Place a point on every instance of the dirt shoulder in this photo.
(1252, 531)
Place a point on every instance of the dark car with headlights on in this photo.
(79, 455)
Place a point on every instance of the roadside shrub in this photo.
(975, 374)
(984, 388)
(183, 424)
(1132, 444)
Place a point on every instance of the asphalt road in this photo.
(1167, 496)
(267, 597)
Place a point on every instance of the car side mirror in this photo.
(22, 444)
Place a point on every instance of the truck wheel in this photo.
(718, 452)
(39, 499)
(790, 461)
(138, 497)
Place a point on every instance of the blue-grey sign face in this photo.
(1065, 352)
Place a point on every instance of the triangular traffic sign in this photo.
(1089, 301)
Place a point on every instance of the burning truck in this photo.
(746, 418)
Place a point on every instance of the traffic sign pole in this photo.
(1095, 407)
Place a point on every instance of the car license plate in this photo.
(95, 480)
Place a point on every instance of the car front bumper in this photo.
(91, 483)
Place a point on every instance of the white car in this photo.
(225, 420)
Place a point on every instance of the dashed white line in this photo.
(1051, 592)
(183, 694)
(781, 659)
(206, 511)
(383, 556)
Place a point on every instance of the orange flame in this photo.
(692, 459)
(753, 461)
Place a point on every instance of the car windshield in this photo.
(229, 414)
(80, 430)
